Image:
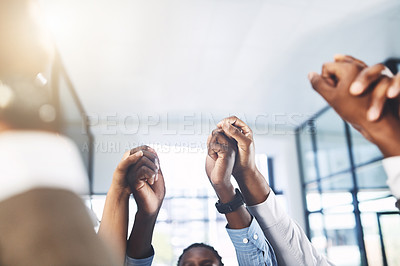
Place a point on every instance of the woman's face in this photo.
(199, 256)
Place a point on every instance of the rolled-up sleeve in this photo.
(252, 248)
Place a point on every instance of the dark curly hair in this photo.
(201, 245)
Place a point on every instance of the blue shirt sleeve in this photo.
(139, 262)
(252, 247)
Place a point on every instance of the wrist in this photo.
(384, 134)
(119, 191)
(145, 216)
(225, 193)
(254, 187)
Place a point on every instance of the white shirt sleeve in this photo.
(392, 169)
(289, 241)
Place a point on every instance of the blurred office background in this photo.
(163, 73)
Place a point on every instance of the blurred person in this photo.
(43, 220)
(358, 93)
(288, 240)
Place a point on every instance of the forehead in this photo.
(199, 254)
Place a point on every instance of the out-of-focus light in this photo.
(47, 113)
(6, 95)
(40, 80)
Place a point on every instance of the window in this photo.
(344, 186)
(188, 213)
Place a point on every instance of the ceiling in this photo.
(219, 57)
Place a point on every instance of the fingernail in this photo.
(338, 56)
(373, 113)
(156, 177)
(356, 87)
(392, 92)
(311, 76)
(219, 124)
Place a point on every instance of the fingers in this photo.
(217, 143)
(349, 59)
(236, 129)
(129, 160)
(233, 120)
(378, 99)
(218, 148)
(321, 85)
(210, 151)
(146, 169)
(394, 90)
(366, 78)
(144, 173)
(143, 148)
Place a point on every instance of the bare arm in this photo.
(147, 183)
(114, 223)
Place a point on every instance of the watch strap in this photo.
(231, 206)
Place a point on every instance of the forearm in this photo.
(385, 134)
(254, 187)
(238, 219)
(114, 223)
(139, 243)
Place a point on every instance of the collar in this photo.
(32, 159)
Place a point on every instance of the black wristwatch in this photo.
(231, 206)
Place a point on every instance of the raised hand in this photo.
(253, 185)
(119, 180)
(237, 130)
(385, 91)
(146, 181)
(333, 85)
(219, 164)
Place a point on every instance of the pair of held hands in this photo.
(230, 150)
(366, 97)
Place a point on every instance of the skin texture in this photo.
(333, 84)
(147, 183)
(254, 187)
(220, 162)
(369, 81)
(138, 173)
(199, 256)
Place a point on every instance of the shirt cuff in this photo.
(392, 169)
(243, 238)
(139, 262)
(270, 206)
